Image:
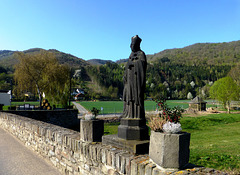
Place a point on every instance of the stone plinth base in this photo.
(91, 130)
(169, 150)
(133, 146)
(133, 129)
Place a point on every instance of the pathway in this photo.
(82, 111)
(16, 159)
(80, 108)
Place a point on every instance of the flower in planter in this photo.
(171, 127)
(95, 112)
(156, 123)
(168, 120)
(93, 115)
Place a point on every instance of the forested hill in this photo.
(8, 60)
(98, 61)
(173, 73)
(226, 53)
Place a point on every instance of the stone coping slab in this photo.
(133, 146)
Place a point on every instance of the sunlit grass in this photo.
(215, 140)
(117, 106)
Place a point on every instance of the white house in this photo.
(5, 97)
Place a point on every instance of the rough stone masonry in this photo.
(71, 156)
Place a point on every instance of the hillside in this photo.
(8, 60)
(122, 61)
(201, 54)
(98, 61)
(172, 73)
(5, 53)
(227, 53)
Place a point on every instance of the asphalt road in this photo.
(16, 159)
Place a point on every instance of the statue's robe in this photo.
(134, 85)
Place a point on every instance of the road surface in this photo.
(16, 159)
(80, 108)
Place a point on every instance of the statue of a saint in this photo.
(134, 82)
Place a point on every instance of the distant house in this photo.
(79, 94)
(5, 97)
(197, 104)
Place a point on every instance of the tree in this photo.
(225, 90)
(235, 74)
(192, 84)
(58, 90)
(40, 72)
(189, 95)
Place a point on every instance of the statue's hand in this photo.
(130, 65)
(135, 59)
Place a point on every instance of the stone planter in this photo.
(169, 150)
(1, 107)
(91, 130)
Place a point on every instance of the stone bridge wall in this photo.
(63, 117)
(69, 154)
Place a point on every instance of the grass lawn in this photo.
(111, 128)
(215, 140)
(108, 106)
(117, 106)
(36, 103)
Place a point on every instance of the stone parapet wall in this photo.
(65, 118)
(69, 154)
(64, 149)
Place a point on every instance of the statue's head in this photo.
(135, 44)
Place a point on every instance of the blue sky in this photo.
(103, 28)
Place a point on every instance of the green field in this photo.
(110, 107)
(215, 140)
(36, 103)
(107, 106)
(117, 106)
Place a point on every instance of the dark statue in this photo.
(133, 123)
(134, 82)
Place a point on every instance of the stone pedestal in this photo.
(169, 150)
(91, 130)
(133, 146)
(132, 136)
(133, 129)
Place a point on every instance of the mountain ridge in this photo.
(226, 53)
(99, 61)
(8, 60)
(201, 53)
